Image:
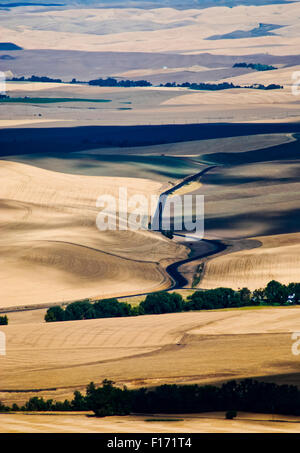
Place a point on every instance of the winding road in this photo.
(179, 281)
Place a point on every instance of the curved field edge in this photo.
(51, 249)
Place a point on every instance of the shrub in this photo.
(108, 400)
(63, 406)
(111, 308)
(162, 302)
(38, 404)
(258, 297)
(3, 320)
(15, 408)
(214, 298)
(245, 296)
(276, 292)
(79, 310)
(79, 402)
(4, 408)
(55, 314)
(230, 415)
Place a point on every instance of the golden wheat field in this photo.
(278, 258)
(150, 105)
(51, 249)
(54, 359)
(204, 423)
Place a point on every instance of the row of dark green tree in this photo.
(112, 82)
(84, 309)
(220, 86)
(255, 66)
(274, 294)
(34, 78)
(247, 395)
(108, 82)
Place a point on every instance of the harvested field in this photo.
(48, 225)
(152, 105)
(277, 259)
(203, 423)
(58, 157)
(53, 359)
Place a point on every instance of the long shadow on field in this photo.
(112, 164)
(272, 223)
(285, 151)
(44, 140)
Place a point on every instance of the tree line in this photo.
(255, 66)
(112, 82)
(247, 395)
(220, 86)
(108, 82)
(275, 294)
(35, 78)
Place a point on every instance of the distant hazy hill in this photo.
(13, 4)
(143, 3)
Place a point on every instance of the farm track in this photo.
(179, 281)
